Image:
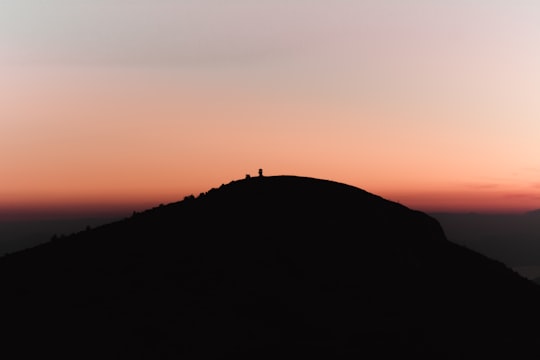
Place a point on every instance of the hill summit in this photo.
(267, 267)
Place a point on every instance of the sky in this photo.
(123, 104)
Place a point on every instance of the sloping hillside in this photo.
(268, 267)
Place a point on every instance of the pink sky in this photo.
(130, 104)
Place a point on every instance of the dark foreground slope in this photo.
(275, 267)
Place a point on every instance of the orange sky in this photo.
(434, 106)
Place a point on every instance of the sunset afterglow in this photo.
(128, 104)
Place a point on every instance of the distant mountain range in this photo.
(19, 234)
(534, 212)
(266, 268)
(513, 239)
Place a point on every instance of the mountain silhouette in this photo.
(265, 268)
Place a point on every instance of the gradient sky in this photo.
(129, 103)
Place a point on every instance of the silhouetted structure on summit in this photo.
(260, 172)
